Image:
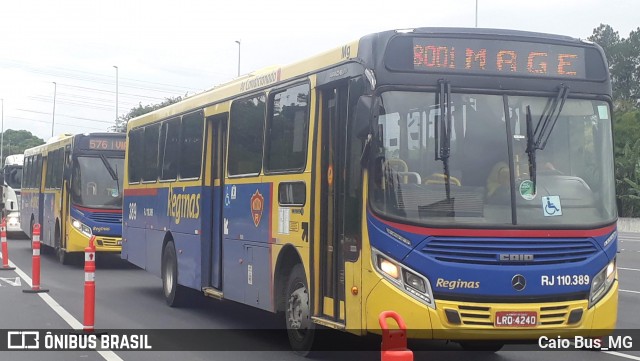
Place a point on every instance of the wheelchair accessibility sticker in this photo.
(551, 206)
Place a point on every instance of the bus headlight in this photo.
(602, 283)
(406, 279)
(86, 230)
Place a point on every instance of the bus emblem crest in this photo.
(257, 205)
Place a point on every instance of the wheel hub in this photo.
(299, 309)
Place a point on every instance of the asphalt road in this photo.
(130, 298)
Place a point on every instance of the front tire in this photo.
(300, 328)
(63, 257)
(174, 294)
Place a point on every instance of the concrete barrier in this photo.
(629, 225)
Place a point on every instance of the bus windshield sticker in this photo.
(526, 190)
(227, 197)
(551, 206)
(603, 112)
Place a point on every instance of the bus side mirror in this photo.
(362, 124)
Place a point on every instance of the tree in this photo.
(121, 123)
(623, 56)
(16, 141)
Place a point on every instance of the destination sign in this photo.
(488, 57)
(103, 143)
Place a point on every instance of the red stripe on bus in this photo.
(99, 210)
(466, 232)
(141, 192)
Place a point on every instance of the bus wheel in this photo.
(482, 346)
(300, 328)
(174, 294)
(63, 256)
(31, 232)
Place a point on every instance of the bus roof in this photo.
(360, 51)
(65, 139)
(52, 143)
(250, 82)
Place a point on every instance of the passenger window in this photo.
(170, 144)
(246, 136)
(150, 151)
(287, 129)
(191, 145)
(136, 163)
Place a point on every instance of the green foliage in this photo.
(121, 122)
(16, 141)
(623, 55)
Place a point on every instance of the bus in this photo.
(12, 174)
(460, 177)
(72, 187)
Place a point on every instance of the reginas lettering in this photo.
(183, 205)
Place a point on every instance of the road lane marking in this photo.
(629, 269)
(620, 354)
(108, 355)
(629, 291)
(12, 281)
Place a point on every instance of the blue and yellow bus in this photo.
(461, 177)
(72, 187)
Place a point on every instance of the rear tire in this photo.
(300, 327)
(31, 232)
(174, 294)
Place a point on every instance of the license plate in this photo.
(516, 319)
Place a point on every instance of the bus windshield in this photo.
(92, 184)
(468, 164)
(13, 176)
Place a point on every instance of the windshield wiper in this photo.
(112, 173)
(531, 149)
(443, 130)
(537, 139)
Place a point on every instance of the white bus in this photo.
(12, 172)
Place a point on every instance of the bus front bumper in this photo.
(13, 223)
(477, 320)
(78, 241)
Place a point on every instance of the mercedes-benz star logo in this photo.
(518, 282)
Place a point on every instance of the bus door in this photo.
(65, 196)
(332, 217)
(42, 161)
(218, 124)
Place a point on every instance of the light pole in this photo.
(2, 135)
(476, 13)
(238, 41)
(53, 118)
(116, 94)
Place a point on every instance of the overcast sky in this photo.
(169, 48)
